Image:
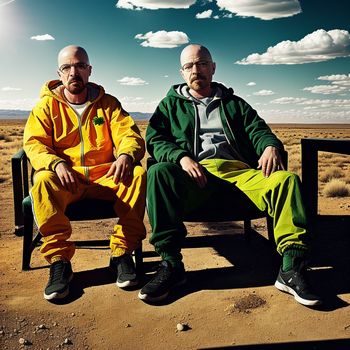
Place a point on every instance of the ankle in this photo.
(293, 257)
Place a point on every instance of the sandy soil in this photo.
(229, 300)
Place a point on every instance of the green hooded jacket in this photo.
(172, 132)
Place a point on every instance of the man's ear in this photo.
(59, 74)
(182, 74)
(214, 67)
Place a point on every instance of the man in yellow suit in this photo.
(82, 144)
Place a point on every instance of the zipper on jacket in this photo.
(234, 150)
(82, 159)
(195, 141)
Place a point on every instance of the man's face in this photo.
(197, 69)
(74, 71)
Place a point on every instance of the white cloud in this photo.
(306, 116)
(204, 14)
(129, 99)
(25, 104)
(337, 79)
(315, 47)
(43, 37)
(5, 2)
(326, 89)
(263, 9)
(154, 4)
(9, 88)
(163, 39)
(132, 81)
(264, 93)
(288, 100)
(318, 103)
(140, 106)
(251, 83)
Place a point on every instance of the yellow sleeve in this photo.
(37, 139)
(126, 135)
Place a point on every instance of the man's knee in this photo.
(163, 169)
(285, 176)
(44, 177)
(139, 172)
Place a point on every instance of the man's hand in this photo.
(121, 169)
(67, 176)
(270, 161)
(195, 170)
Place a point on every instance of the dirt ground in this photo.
(229, 300)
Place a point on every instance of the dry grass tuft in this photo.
(336, 188)
(5, 137)
(331, 173)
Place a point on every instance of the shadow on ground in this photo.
(331, 344)
(254, 260)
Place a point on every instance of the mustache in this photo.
(197, 76)
(75, 79)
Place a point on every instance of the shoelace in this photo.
(57, 272)
(299, 275)
(162, 274)
(126, 266)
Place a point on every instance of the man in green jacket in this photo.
(212, 147)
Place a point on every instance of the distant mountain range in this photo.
(20, 114)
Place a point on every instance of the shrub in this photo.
(336, 188)
(331, 173)
(6, 138)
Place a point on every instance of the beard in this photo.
(76, 85)
(198, 82)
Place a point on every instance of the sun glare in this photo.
(10, 22)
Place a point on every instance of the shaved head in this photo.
(192, 51)
(197, 69)
(72, 51)
(74, 70)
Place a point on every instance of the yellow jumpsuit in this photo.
(89, 144)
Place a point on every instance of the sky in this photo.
(289, 59)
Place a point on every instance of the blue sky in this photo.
(289, 59)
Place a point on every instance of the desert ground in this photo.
(229, 300)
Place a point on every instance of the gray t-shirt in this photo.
(213, 142)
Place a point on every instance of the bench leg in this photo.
(269, 223)
(138, 259)
(247, 228)
(27, 243)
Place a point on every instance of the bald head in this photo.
(192, 51)
(197, 69)
(74, 71)
(72, 51)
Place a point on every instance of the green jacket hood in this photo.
(173, 92)
(54, 89)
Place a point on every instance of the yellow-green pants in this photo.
(50, 200)
(172, 195)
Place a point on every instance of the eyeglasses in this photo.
(187, 67)
(80, 66)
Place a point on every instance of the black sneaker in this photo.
(125, 268)
(164, 280)
(60, 275)
(293, 282)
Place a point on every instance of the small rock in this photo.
(127, 325)
(67, 341)
(2, 332)
(42, 326)
(23, 341)
(181, 327)
(72, 314)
